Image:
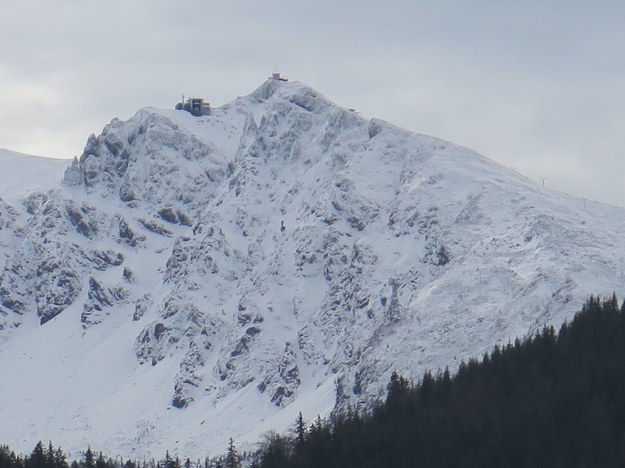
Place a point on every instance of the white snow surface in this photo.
(152, 301)
(21, 174)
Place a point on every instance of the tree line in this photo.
(51, 457)
(548, 400)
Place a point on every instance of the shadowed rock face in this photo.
(281, 244)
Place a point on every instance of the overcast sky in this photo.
(538, 86)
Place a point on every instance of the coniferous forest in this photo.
(550, 400)
(546, 401)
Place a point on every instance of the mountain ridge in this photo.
(211, 277)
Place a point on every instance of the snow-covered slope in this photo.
(195, 279)
(21, 174)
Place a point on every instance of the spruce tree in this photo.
(397, 387)
(89, 460)
(50, 455)
(37, 457)
(59, 459)
(300, 430)
(100, 462)
(232, 457)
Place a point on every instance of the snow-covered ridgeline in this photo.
(194, 279)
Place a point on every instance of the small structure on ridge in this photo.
(276, 75)
(196, 106)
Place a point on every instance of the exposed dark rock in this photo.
(284, 383)
(105, 259)
(98, 294)
(113, 143)
(375, 127)
(34, 202)
(442, 256)
(168, 214)
(58, 287)
(155, 227)
(128, 275)
(241, 347)
(188, 377)
(159, 330)
(91, 169)
(98, 298)
(244, 317)
(126, 193)
(184, 219)
(179, 401)
(9, 301)
(252, 331)
(77, 219)
(356, 223)
(141, 306)
(127, 235)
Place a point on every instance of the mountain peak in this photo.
(271, 86)
(197, 278)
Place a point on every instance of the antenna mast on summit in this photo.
(276, 74)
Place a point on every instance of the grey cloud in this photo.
(535, 85)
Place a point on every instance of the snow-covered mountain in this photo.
(199, 278)
(20, 176)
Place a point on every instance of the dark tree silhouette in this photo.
(549, 400)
